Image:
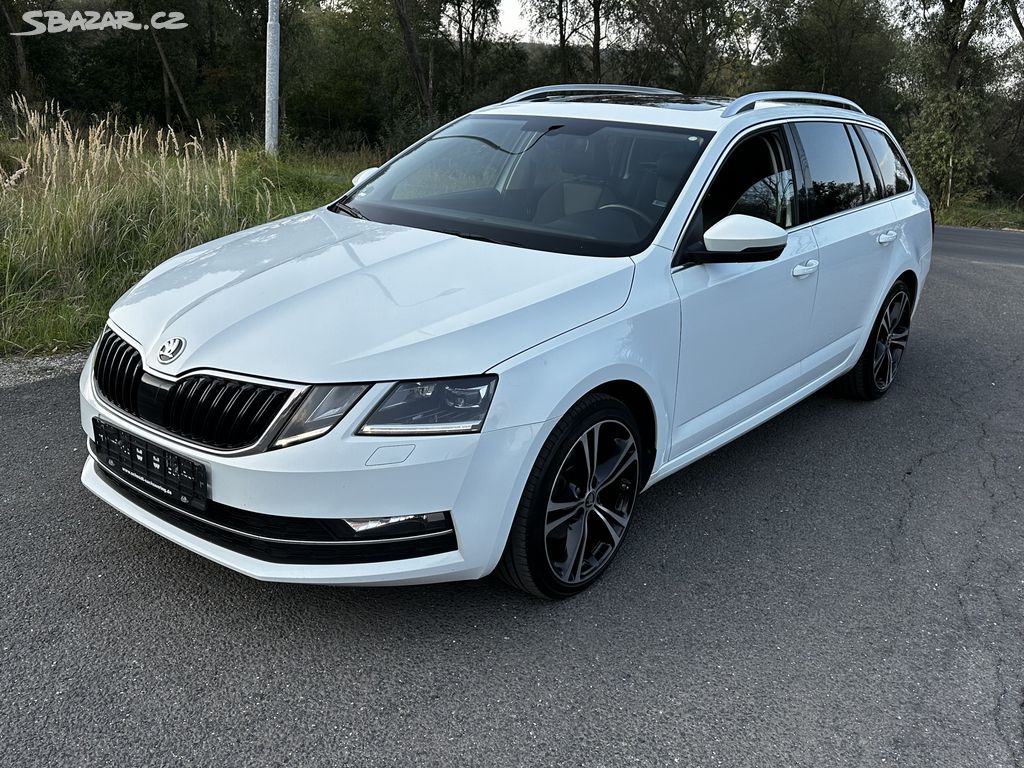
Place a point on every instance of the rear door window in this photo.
(834, 185)
(895, 174)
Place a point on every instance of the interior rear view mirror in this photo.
(738, 239)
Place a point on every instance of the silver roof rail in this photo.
(536, 94)
(744, 103)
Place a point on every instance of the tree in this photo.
(1013, 10)
(561, 20)
(845, 47)
(695, 36)
(405, 23)
(953, 70)
(471, 23)
(598, 18)
(11, 12)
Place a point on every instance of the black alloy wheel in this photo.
(578, 501)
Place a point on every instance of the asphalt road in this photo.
(842, 587)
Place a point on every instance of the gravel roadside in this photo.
(15, 371)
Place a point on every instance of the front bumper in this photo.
(476, 479)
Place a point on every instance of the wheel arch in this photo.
(633, 357)
(639, 402)
(909, 276)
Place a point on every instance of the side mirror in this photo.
(740, 239)
(363, 175)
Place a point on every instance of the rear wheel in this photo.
(876, 370)
(578, 501)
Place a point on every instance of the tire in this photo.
(875, 371)
(574, 514)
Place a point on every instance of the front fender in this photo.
(639, 343)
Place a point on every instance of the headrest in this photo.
(579, 157)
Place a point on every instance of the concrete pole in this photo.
(273, 75)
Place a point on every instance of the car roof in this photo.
(704, 113)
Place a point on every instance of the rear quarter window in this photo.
(894, 172)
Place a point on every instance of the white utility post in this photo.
(273, 75)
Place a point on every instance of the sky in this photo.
(510, 21)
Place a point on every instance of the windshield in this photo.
(554, 184)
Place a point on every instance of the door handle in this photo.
(807, 268)
(886, 237)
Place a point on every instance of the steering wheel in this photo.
(629, 209)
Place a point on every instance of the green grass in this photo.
(981, 215)
(85, 211)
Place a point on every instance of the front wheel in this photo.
(876, 370)
(578, 501)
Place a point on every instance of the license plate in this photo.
(160, 473)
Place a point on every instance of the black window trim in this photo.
(814, 119)
(787, 122)
(785, 144)
(855, 142)
(799, 163)
(875, 168)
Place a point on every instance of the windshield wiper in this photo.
(340, 207)
(495, 145)
(481, 238)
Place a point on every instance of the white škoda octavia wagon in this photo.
(479, 356)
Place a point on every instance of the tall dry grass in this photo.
(87, 209)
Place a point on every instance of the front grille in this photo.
(119, 372)
(221, 412)
(210, 410)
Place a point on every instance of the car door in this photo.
(853, 227)
(912, 221)
(744, 326)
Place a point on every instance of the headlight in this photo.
(439, 407)
(319, 411)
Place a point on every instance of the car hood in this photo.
(321, 297)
